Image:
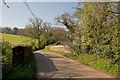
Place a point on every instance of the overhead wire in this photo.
(29, 9)
(38, 25)
(25, 4)
(5, 3)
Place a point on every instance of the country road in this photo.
(52, 65)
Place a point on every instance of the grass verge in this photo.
(47, 49)
(21, 71)
(90, 60)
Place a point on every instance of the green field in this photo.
(15, 39)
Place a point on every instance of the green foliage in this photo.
(66, 19)
(11, 71)
(100, 64)
(98, 30)
(43, 41)
(76, 48)
(16, 40)
(95, 32)
(6, 55)
(47, 49)
(9, 30)
(34, 44)
(21, 71)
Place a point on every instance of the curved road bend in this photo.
(51, 65)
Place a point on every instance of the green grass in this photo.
(99, 64)
(21, 71)
(15, 39)
(47, 49)
(90, 60)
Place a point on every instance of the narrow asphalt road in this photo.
(52, 65)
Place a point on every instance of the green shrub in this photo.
(43, 41)
(6, 55)
(21, 71)
(15, 72)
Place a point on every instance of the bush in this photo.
(50, 41)
(21, 71)
(6, 55)
(43, 41)
(76, 49)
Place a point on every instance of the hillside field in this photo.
(15, 39)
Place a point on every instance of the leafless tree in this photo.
(34, 29)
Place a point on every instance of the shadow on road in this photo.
(62, 67)
(44, 66)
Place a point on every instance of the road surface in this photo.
(52, 65)
(62, 48)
